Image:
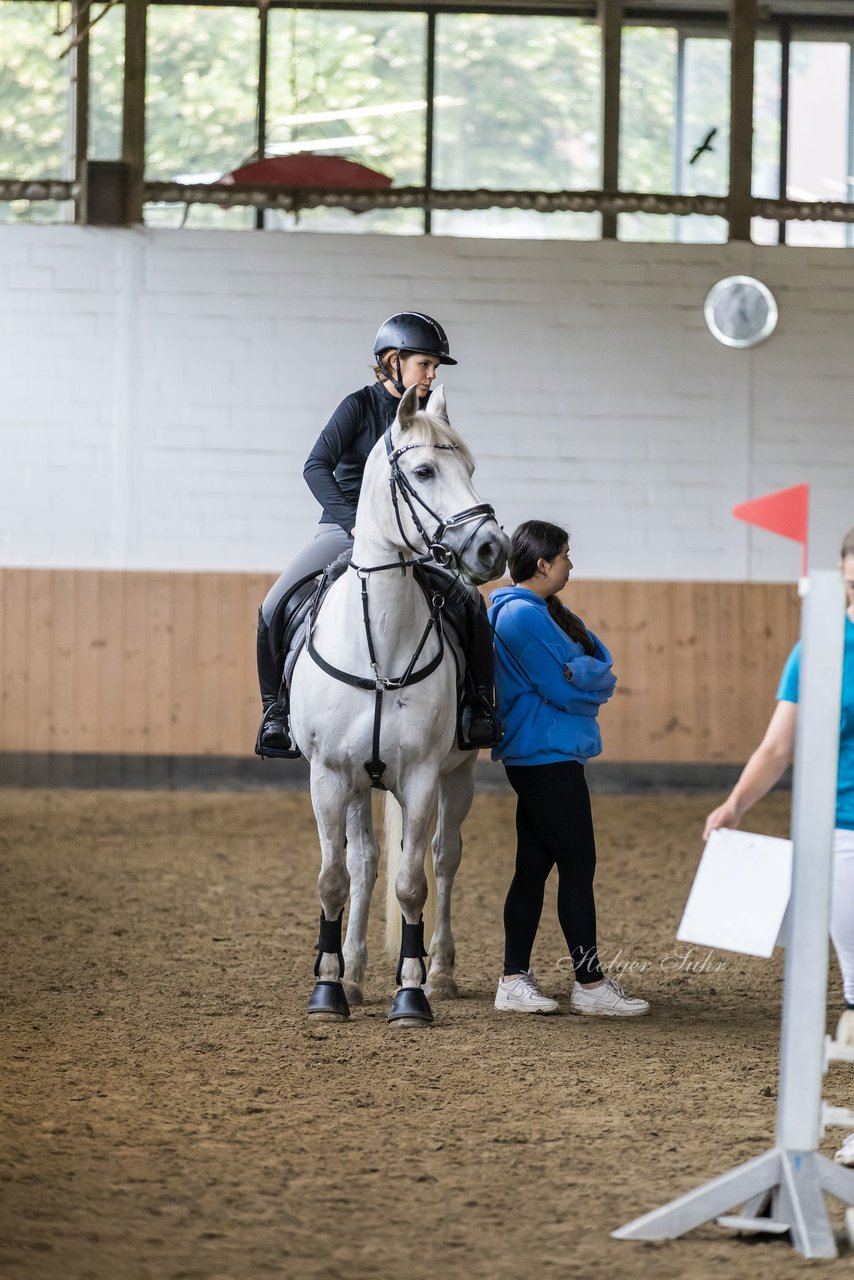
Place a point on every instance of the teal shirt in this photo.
(788, 692)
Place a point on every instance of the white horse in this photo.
(374, 703)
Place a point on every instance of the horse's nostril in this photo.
(486, 552)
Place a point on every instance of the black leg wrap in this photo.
(410, 1003)
(328, 1001)
(330, 940)
(412, 948)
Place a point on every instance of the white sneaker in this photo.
(845, 1154)
(520, 994)
(607, 1001)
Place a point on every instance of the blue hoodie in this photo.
(546, 717)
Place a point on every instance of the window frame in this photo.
(787, 23)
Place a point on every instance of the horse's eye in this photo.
(423, 473)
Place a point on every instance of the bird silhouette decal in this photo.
(705, 145)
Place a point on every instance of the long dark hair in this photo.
(538, 540)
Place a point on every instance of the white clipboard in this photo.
(740, 894)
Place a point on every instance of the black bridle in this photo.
(401, 487)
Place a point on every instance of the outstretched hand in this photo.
(726, 815)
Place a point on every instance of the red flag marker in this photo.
(785, 512)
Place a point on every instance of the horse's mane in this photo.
(429, 429)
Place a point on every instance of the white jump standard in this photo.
(783, 1190)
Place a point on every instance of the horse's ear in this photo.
(436, 405)
(408, 409)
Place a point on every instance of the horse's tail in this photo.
(392, 840)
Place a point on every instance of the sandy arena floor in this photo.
(169, 1111)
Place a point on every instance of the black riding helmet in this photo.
(412, 331)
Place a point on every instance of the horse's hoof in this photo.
(328, 1003)
(441, 987)
(354, 993)
(410, 1008)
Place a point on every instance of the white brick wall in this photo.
(161, 389)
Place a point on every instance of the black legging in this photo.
(554, 825)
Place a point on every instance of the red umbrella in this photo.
(332, 173)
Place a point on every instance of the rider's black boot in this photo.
(479, 726)
(466, 611)
(273, 736)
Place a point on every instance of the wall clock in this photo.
(740, 311)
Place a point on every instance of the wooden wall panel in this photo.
(133, 627)
(16, 687)
(160, 666)
(66, 672)
(698, 664)
(186, 708)
(211, 689)
(109, 644)
(84, 661)
(164, 663)
(31, 654)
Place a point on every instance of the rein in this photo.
(436, 550)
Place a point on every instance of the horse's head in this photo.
(434, 506)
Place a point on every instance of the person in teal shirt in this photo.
(767, 764)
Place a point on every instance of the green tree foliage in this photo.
(363, 75)
(523, 102)
(518, 101)
(647, 108)
(107, 56)
(766, 119)
(33, 92)
(201, 89)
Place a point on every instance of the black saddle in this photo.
(294, 607)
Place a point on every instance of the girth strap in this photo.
(375, 767)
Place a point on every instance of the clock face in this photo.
(740, 311)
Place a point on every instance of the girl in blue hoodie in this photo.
(551, 675)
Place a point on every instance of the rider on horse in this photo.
(408, 349)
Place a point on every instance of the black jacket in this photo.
(335, 466)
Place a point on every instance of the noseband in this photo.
(402, 487)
